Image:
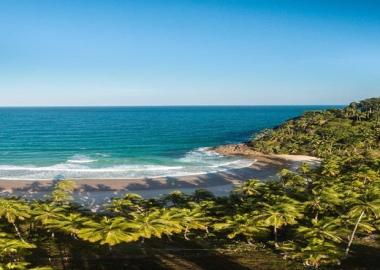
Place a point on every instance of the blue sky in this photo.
(188, 52)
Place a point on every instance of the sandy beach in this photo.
(263, 167)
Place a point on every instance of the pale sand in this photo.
(263, 167)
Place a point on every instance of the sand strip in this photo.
(263, 167)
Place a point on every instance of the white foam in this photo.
(197, 162)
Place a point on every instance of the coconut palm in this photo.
(45, 212)
(108, 231)
(245, 225)
(175, 198)
(251, 187)
(12, 253)
(292, 180)
(281, 212)
(331, 167)
(154, 223)
(323, 200)
(318, 252)
(316, 244)
(129, 203)
(62, 193)
(328, 229)
(194, 218)
(70, 223)
(365, 205)
(13, 211)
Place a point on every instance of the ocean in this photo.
(128, 142)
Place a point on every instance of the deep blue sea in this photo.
(128, 142)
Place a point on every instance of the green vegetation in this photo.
(314, 216)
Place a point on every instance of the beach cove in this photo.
(151, 151)
(97, 191)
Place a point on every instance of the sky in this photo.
(188, 52)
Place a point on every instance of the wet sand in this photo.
(263, 167)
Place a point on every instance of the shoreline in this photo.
(263, 167)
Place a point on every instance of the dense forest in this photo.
(312, 217)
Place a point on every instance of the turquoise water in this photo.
(127, 142)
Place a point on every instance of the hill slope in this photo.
(352, 130)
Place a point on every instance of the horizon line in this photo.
(152, 106)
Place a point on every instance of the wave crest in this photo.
(196, 162)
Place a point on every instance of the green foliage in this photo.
(313, 214)
(245, 225)
(62, 192)
(110, 231)
(13, 210)
(355, 129)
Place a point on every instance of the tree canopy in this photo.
(312, 215)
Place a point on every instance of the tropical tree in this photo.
(108, 231)
(129, 203)
(251, 187)
(323, 200)
(280, 212)
(62, 193)
(245, 225)
(71, 223)
(327, 229)
(194, 218)
(365, 206)
(14, 210)
(46, 212)
(12, 253)
(154, 223)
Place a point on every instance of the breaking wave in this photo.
(197, 162)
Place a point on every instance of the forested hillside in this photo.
(313, 217)
(354, 130)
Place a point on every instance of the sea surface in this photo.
(128, 142)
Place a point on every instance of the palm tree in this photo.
(62, 193)
(45, 212)
(155, 223)
(365, 175)
(322, 200)
(129, 203)
(293, 180)
(110, 231)
(175, 198)
(13, 210)
(251, 187)
(193, 219)
(242, 225)
(283, 211)
(322, 242)
(327, 229)
(13, 251)
(365, 205)
(70, 223)
(331, 167)
(318, 252)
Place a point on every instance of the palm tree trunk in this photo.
(353, 232)
(275, 231)
(185, 233)
(61, 255)
(18, 232)
(275, 234)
